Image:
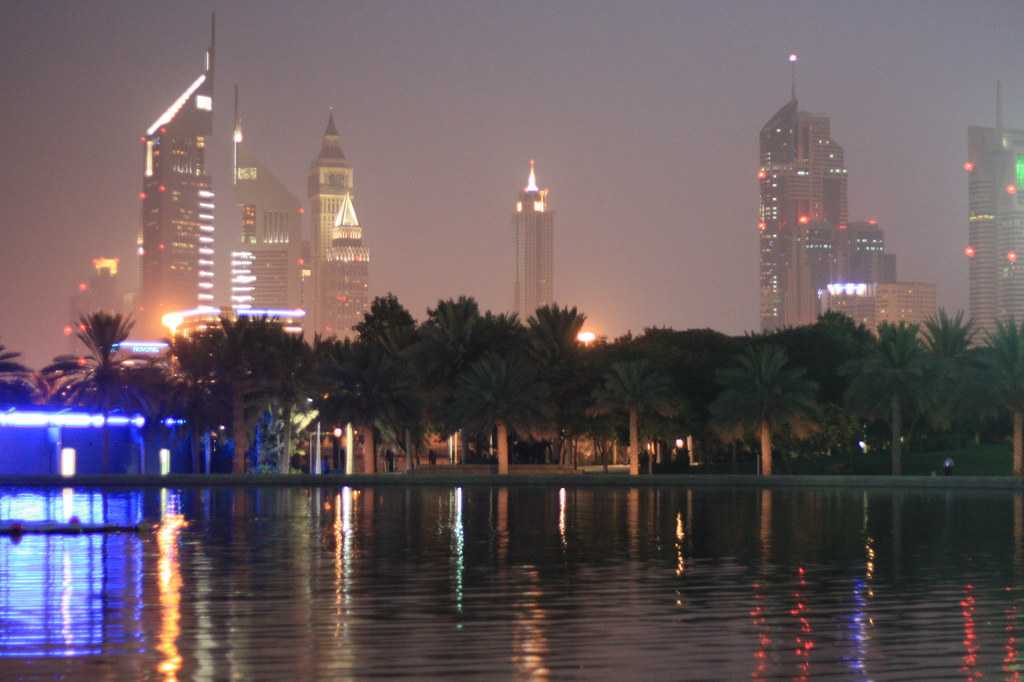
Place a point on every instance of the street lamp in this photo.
(335, 448)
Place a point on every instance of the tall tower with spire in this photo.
(176, 242)
(995, 221)
(534, 227)
(266, 268)
(803, 213)
(341, 259)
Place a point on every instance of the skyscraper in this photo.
(341, 260)
(866, 259)
(802, 180)
(176, 244)
(534, 226)
(266, 270)
(995, 174)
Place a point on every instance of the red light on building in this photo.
(1011, 189)
(872, 221)
(342, 298)
(163, 130)
(762, 174)
(968, 166)
(301, 261)
(969, 252)
(842, 226)
(142, 139)
(82, 286)
(1012, 256)
(81, 327)
(161, 247)
(762, 225)
(301, 210)
(162, 188)
(142, 195)
(68, 329)
(804, 220)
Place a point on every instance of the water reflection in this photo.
(499, 582)
(169, 584)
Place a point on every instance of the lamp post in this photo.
(336, 460)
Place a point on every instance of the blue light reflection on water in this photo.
(58, 588)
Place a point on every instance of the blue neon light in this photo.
(67, 419)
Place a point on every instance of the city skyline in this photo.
(593, 221)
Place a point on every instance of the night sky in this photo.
(642, 117)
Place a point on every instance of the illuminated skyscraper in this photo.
(266, 270)
(534, 226)
(176, 245)
(995, 176)
(802, 180)
(341, 260)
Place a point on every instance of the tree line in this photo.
(538, 394)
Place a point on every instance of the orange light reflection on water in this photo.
(169, 585)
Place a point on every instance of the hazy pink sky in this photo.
(642, 116)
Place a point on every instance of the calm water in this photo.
(490, 582)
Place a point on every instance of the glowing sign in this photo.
(204, 102)
(272, 312)
(142, 347)
(848, 289)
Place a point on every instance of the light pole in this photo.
(336, 461)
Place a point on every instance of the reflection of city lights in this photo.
(561, 515)
(680, 537)
(971, 645)
(169, 576)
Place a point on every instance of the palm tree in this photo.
(635, 387)
(953, 376)
(197, 395)
(763, 394)
(555, 350)
(367, 386)
(100, 379)
(292, 372)
(500, 393)
(15, 378)
(244, 361)
(889, 380)
(1004, 359)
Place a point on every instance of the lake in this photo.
(588, 582)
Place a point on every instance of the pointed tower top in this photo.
(999, 110)
(213, 43)
(238, 119)
(792, 64)
(331, 129)
(531, 182)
